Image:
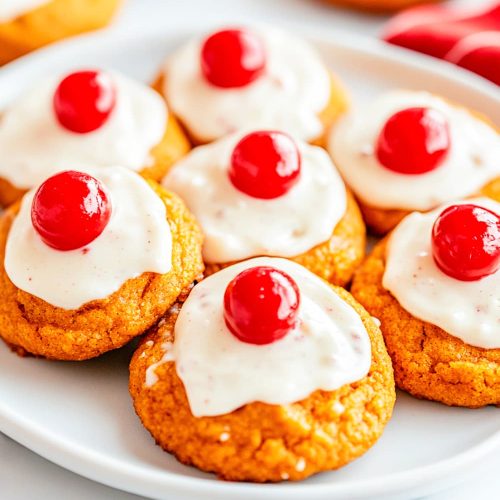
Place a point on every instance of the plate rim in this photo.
(132, 478)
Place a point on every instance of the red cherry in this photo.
(466, 242)
(84, 100)
(261, 305)
(265, 164)
(232, 58)
(413, 141)
(70, 210)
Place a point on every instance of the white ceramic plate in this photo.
(80, 416)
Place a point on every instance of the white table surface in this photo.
(24, 475)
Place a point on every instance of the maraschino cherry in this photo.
(261, 305)
(84, 100)
(466, 242)
(413, 141)
(70, 210)
(232, 58)
(265, 164)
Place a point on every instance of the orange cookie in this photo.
(259, 442)
(288, 87)
(44, 317)
(135, 130)
(411, 150)
(438, 340)
(264, 193)
(50, 21)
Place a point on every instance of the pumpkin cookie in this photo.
(31, 24)
(434, 286)
(411, 151)
(79, 278)
(86, 119)
(226, 385)
(264, 193)
(251, 78)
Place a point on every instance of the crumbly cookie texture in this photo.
(428, 362)
(337, 105)
(30, 325)
(261, 442)
(53, 21)
(334, 260)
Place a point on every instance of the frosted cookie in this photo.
(90, 260)
(85, 119)
(245, 78)
(411, 151)
(264, 193)
(265, 373)
(435, 287)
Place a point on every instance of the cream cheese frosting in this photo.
(12, 9)
(468, 310)
(237, 226)
(471, 162)
(289, 96)
(137, 239)
(34, 146)
(329, 347)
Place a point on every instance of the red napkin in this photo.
(468, 39)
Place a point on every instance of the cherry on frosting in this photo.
(265, 164)
(232, 58)
(466, 242)
(261, 305)
(70, 210)
(84, 100)
(413, 141)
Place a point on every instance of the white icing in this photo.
(34, 146)
(137, 239)
(469, 310)
(328, 349)
(11, 9)
(471, 162)
(237, 226)
(293, 90)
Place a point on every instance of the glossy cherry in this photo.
(261, 305)
(232, 58)
(265, 164)
(84, 100)
(466, 242)
(413, 141)
(70, 210)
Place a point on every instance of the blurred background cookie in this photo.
(246, 78)
(29, 25)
